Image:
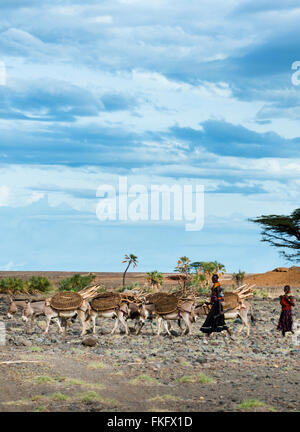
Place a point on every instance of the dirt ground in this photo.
(278, 277)
(272, 281)
(150, 373)
(108, 279)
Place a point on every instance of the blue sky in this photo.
(163, 92)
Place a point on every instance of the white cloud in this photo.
(7, 267)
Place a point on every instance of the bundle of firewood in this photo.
(244, 292)
(89, 292)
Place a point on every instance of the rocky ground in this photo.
(149, 373)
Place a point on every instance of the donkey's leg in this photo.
(48, 319)
(245, 321)
(167, 327)
(32, 321)
(116, 326)
(140, 326)
(242, 316)
(159, 325)
(94, 319)
(151, 324)
(124, 323)
(57, 321)
(81, 316)
(54, 319)
(186, 319)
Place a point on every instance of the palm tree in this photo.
(130, 259)
(155, 279)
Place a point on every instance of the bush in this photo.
(76, 282)
(239, 277)
(199, 282)
(13, 285)
(39, 283)
(261, 293)
(18, 286)
(133, 286)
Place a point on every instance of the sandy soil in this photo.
(147, 373)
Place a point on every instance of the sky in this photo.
(163, 92)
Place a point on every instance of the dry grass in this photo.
(96, 365)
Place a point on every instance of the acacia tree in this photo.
(282, 232)
(130, 259)
(184, 269)
(207, 269)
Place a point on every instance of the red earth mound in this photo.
(276, 278)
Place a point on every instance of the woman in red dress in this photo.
(285, 323)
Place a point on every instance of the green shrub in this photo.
(76, 282)
(19, 286)
(13, 285)
(131, 287)
(261, 293)
(199, 282)
(239, 277)
(39, 283)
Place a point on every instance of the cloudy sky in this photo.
(162, 92)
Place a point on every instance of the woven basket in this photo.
(231, 300)
(105, 301)
(66, 301)
(152, 298)
(166, 304)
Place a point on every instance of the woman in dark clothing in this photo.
(285, 322)
(215, 321)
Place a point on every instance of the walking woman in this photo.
(285, 323)
(215, 321)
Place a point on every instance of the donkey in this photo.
(241, 311)
(135, 313)
(185, 312)
(145, 312)
(63, 316)
(14, 306)
(120, 312)
(35, 309)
